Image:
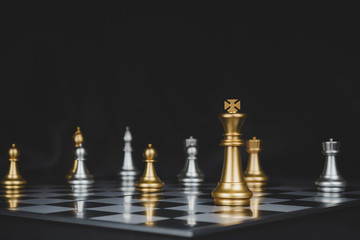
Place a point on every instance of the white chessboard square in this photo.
(280, 208)
(329, 200)
(119, 200)
(198, 208)
(40, 201)
(119, 208)
(128, 218)
(213, 218)
(187, 199)
(44, 209)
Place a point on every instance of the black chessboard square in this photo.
(165, 213)
(6, 205)
(86, 204)
(285, 196)
(71, 197)
(85, 215)
(302, 203)
(160, 204)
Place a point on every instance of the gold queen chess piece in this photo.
(13, 179)
(232, 189)
(254, 176)
(79, 174)
(149, 181)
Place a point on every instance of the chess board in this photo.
(176, 211)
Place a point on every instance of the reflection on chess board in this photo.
(176, 211)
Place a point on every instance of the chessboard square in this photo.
(44, 195)
(110, 194)
(280, 208)
(284, 196)
(119, 209)
(354, 192)
(40, 201)
(266, 200)
(328, 200)
(287, 188)
(128, 218)
(297, 202)
(86, 204)
(302, 193)
(43, 209)
(260, 194)
(166, 213)
(187, 199)
(198, 208)
(179, 194)
(115, 200)
(160, 204)
(214, 218)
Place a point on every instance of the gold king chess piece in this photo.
(254, 176)
(149, 181)
(13, 179)
(79, 175)
(232, 189)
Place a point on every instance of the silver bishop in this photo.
(128, 171)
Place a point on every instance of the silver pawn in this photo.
(191, 174)
(128, 171)
(80, 176)
(330, 179)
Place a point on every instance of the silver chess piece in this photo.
(79, 175)
(330, 179)
(191, 175)
(128, 171)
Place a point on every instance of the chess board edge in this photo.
(189, 233)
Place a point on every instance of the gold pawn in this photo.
(13, 179)
(149, 181)
(254, 175)
(232, 189)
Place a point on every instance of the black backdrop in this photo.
(165, 70)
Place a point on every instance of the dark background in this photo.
(165, 70)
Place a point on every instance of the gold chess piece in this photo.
(13, 179)
(79, 175)
(254, 176)
(232, 189)
(149, 181)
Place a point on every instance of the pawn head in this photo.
(150, 153)
(13, 153)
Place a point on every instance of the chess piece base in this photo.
(128, 175)
(13, 183)
(148, 187)
(331, 186)
(191, 182)
(232, 194)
